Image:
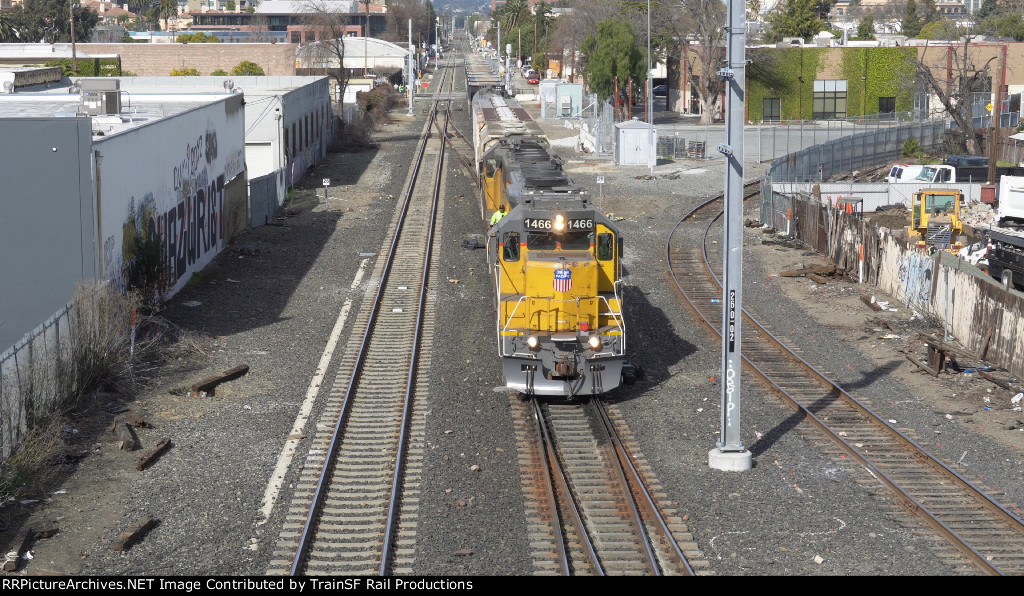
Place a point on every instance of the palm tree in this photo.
(7, 32)
(513, 13)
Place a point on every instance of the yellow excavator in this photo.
(935, 222)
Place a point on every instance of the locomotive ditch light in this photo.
(594, 342)
(533, 342)
(559, 223)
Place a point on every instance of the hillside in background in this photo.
(466, 6)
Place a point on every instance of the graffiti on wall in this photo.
(915, 273)
(189, 231)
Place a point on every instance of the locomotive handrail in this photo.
(619, 324)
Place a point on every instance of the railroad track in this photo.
(588, 508)
(978, 533)
(354, 508)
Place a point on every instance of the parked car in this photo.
(533, 80)
(661, 91)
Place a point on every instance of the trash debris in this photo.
(1016, 398)
(890, 336)
(818, 559)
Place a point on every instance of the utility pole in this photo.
(366, 44)
(652, 153)
(729, 453)
(410, 81)
(74, 54)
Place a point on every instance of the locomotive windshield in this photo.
(567, 240)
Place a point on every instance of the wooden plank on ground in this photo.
(208, 385)
(128, 442)
(19, 546)
(126, 539)
(817, 278)
(817, 269)
(867, 300)
(923, 366)
(152, 454)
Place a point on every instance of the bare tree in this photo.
(327, 53)
(400, 12)
(259, 29)
(702, 24)
(963, 79)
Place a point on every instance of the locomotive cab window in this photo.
(492, 165)
(510, 247)
(605, 243)
(567, 241)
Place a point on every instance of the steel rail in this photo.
(626, 465)
(930, 517)
(328, 464)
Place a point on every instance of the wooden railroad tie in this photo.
(208, 385)
(146, 458)
(22, 541)
(126, 539)
(872, 305)
(817, 270)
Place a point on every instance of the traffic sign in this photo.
(327, 181)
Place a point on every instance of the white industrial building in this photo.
(105, 156)
(288, 125)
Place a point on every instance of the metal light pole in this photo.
(410, 81)
(74, 55)
(652, 154)
(730, 453)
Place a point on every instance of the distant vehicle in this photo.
(661, 91)
(974, 161)
(533, 80)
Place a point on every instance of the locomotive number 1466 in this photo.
(572, 225)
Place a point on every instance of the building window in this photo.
(771, 109)
(829, 100)
(886, 108)
(296, 37)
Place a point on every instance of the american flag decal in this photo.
(563, 280)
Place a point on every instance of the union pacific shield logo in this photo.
(563, 280)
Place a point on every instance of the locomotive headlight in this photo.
(559, 223)
(594, 342)
(532, 341)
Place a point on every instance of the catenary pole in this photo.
(729, 453)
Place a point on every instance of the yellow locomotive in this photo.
(555, 260)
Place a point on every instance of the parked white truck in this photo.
(1006, 238)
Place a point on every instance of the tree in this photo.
(185, 72)
(911, 25)
(259, 29)
(47, 21)
(399, 13)
(7, 31)
(248, 69)
(928, 13)
(866, 27)
(327, 54)
(198, 37)
(988, 8)
(798, 18)
(1010, 24)
(705, 19)
(612, 55)
(230, 6)
(955, 91)
(220, 72)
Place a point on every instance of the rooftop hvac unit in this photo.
(101, 96)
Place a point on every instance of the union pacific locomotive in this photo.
(555, 260)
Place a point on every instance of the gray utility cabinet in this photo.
(634, 142)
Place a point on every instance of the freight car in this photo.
(556, 262)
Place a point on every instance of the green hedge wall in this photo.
(776, 73)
